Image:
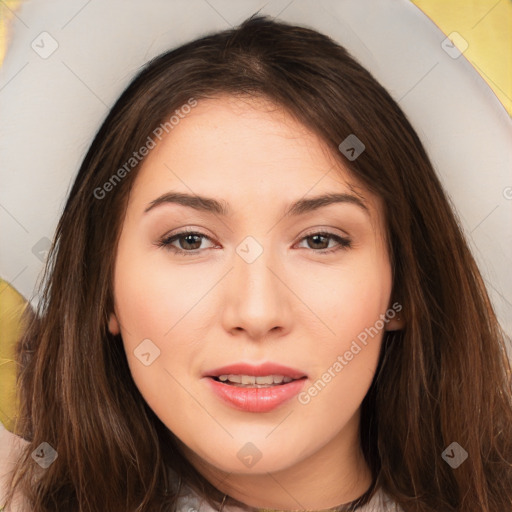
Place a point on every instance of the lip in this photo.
(255, 399)
(256, 370)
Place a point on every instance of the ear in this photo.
(113, 324)
(395, 320)
(395, 324)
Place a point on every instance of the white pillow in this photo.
(68, 61)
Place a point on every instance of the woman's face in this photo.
(253, 285)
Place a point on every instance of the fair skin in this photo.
(293, 305)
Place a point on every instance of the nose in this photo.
(257, 301)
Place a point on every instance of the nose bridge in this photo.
(256, 282)
(256, 299)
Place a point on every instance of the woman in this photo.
(262, 370)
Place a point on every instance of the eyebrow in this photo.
(214, 206)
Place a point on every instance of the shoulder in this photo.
(11, 446)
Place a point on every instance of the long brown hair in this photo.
(444, 378)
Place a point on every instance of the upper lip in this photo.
(256, 370)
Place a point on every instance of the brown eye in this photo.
(319, 242)
(189, 242)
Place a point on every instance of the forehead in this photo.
(250, 128)
(244, 150)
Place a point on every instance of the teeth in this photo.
(249, 379)
(252, 380)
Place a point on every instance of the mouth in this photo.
(255, 388)
(252, 381)
(250, 375)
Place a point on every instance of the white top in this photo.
(191, 502)
(11, 444)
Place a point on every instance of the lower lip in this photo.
(256, 399)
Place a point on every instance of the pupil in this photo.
(316, 239)
(186, 237)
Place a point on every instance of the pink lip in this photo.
(256, 399)
(256, 370)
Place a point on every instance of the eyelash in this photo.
(165, 242)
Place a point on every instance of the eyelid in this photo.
(325, 231)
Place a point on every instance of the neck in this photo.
(334, 475)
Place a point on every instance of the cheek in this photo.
(345, 362)
(349, 303)
(350, 298)
(150, 299)
(157, 302)
(148, 307)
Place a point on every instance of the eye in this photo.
(190, 242)
(320, 239)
